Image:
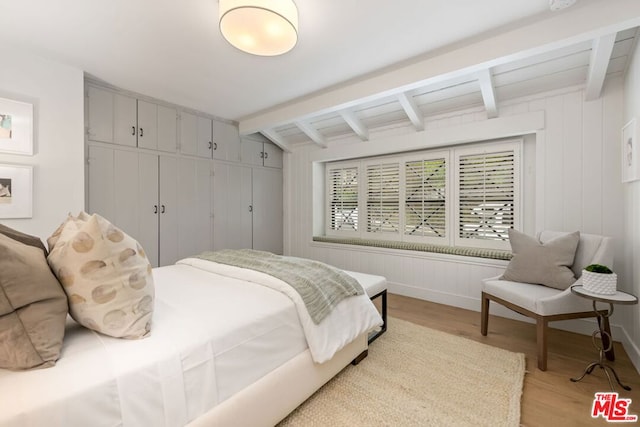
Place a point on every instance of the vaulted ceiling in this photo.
(581, 47)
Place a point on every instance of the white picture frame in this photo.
(16, 191)
(630, 152)
(16, 127)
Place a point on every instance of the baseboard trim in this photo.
(580, 326)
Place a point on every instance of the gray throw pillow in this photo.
(547, 264)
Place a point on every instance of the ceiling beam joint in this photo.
(277, 139)
(312, 133)
(356, 124)
(412, 110)
(598, 64)
(488, 93)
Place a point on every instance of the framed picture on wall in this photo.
(16, 191)
(16, 127)
(630, 152)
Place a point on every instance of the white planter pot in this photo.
(599, 283)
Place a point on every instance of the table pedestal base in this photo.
(606, 368)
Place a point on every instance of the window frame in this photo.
(451, 154)
(342, 165)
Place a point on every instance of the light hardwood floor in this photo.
(549, 399)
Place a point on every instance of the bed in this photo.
(224, 350)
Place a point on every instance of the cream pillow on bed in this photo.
(547, 264)
(106, 275)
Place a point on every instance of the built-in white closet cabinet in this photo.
(163, 201)
(117, 118)
(247, 207)
(173, 178)
(203, 137)
(259, 152)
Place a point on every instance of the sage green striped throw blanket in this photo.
(321, 286)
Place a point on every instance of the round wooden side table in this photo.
(618, 298)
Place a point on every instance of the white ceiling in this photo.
(172, 50)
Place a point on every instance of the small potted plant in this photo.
(599, 279)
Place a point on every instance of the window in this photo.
(461, 196)
(383, 197)
(425, 197)
(342, 184)
(487, 195)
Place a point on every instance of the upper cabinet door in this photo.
(205, 137)
(226, 142)
(167, 129)
(272, 156)
(100, 121)
(125, 120)
(188, 133)
(251, 152)
(147, 125)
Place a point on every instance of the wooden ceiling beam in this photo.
(600, 56)
(356, 124)
(312, 133)
(412, 110)
(277, 139)
(488, 93)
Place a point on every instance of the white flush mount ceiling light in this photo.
(560, 4)
(260, 27)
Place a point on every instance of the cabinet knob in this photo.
(215, 146)
(141, 132)
(266, 155)
(155, 209)
(250, 208)
(162, 209)
(133, 130)
(210, 145)
(262, 154)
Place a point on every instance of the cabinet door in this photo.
(251, 152)
(147, 125)
(125, 120)
(226, 142)
(147, 202)
(167, 129)
(100, 115)
(168, 210)
(267, 210)
(272, 156)
(205, 138)
(194, 206)
(188, 133)
(101, 182)
(232, 217)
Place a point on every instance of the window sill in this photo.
(420, 247)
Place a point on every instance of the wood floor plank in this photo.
(549, 398)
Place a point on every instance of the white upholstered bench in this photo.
(375, 287)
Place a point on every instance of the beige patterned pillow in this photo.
(106, 275)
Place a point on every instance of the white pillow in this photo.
(105, 274)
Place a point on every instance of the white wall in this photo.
(56, 92)
(576, 176)
(631, 318)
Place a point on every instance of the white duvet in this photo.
(352, 317)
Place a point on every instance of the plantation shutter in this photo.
(383, 198)
(425, 213)
(343, 198)
(487, 194)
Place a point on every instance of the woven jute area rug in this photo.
(415, 376)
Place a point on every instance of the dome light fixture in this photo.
(555, 5)
(260, 27)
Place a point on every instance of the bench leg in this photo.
(484, 317)
(375, 335)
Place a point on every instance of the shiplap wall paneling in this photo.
(576, 151)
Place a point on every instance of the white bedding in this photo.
(211, 336)
(350, 318)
